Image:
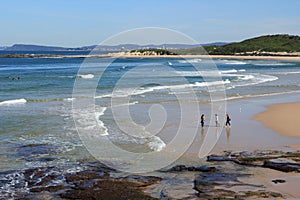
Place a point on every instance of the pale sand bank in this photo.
(129, 55)
(279, 58)
(283, 118)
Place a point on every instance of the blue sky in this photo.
(78, 22)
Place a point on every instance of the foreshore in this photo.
(283, 118)
(238, 175)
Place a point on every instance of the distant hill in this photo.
(215, 44)
(29, 47)
(263, 45)
(2, 47)
(121, 47)
(268, 43)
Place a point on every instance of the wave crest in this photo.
(12, 102)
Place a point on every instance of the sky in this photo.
(74, 23)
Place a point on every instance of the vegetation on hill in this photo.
(255, 46)
(153, 51)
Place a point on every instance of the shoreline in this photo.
(126, 55)
(281, 118)
(281, 58)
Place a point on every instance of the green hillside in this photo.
(258, 45)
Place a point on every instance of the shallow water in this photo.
(36, 96)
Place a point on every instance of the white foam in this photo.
(286, 73)
(229, 71)
(195, 60)
(66, 76)
(294, 72)
(127, 104)
(198, 73)
(213, 83)
(155, 143)
(274, 64)
(130, 92)
(14, 101)
(100, 123)
(9, 184)
(85, 120)
(254, 79)
(213, 73)
(87, 76)
(105, 130)
(259, 95)
(246, 77)
(235, 63)
(68, 99)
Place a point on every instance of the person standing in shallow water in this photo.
(202, 120)
(228, 119)
(217, 119)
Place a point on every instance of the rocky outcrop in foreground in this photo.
(282, 161)
(229, 175)
(94, 182)
(224, 176)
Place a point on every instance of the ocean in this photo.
(46, 118)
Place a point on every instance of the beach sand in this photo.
(283, 118)
(278, 58)
(292, 58)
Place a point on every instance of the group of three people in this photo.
(228, 119)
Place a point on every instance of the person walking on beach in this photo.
(228, 119)
(202, 120)
(217, 119)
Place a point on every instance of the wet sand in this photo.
(283, 118)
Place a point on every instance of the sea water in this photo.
(37, 126)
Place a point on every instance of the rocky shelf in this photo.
(224, 176)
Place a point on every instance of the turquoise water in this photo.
(36, 95)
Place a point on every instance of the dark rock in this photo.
(278, 181)
(53, 183)
(44, 195)
(180, 168)
(34, 152)
(203, 169)
(85, 176)
(278, 160)
(48, 188)
(107, 189)
(205, 185)
(259, 194)
(91, 184)
(284, 165)
(141, 181)
(46, 159)
(218, 158)
(98, 166)
(39, 176)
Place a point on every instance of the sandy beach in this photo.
(283, 118)
(291, 58)
(279, 58)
